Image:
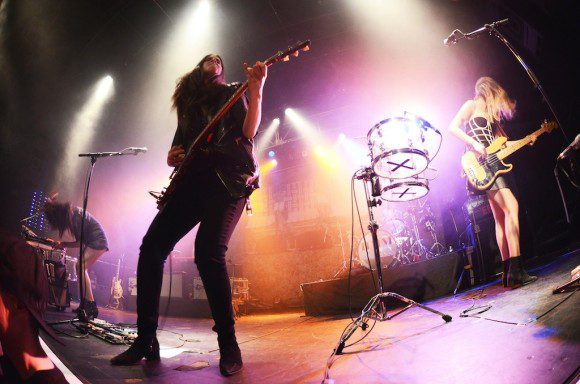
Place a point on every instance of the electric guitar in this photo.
(116, 289)
(481, 173)
(179, 173)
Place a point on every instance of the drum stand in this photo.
(376, 308)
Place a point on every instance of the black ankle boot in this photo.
(517, 276)
(91, 310)
(506, 266)
(230, 357)
(80, 307)
(143, 347)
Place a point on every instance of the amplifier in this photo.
(176, 285)
(240, 289)
(478, 206)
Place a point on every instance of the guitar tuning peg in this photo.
(286, 58)
(306, 48)
(295, 54)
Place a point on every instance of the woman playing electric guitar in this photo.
(481, 118)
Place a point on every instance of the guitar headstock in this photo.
(549, 126)
(292, 51)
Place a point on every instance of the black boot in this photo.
(91, 310)
(517, 276)
(506, 266)
(230, 357)
(143, 347)
(81, 306)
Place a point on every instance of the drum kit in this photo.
(401, 149)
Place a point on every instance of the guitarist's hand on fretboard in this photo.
(175, 156)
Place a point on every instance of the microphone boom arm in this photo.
(530, 74)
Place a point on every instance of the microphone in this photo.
(573, 145)
(137, 150)
(457, 35)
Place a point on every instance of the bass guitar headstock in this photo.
(549, 126)
(303, 46)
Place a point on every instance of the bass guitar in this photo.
(180, 173)
(481, 173)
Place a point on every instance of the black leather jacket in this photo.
(230, 154)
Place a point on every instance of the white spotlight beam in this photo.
(264, 138)
(304, 127)
(82, 130)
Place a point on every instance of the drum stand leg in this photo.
(375, 308)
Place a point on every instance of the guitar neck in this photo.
(218, 116)
(518, 144)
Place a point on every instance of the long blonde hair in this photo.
(498, 105)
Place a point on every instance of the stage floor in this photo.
(524, 337)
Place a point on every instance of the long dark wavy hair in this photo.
(194, 91)
(59, 215)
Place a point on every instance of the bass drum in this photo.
(388, 249)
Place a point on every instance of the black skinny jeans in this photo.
(203, 199)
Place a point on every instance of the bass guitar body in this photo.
(481, 174)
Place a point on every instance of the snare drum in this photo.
(402, 147)
(405, 189)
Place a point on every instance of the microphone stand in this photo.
(375, 308)
(81, 313)
(539, 87)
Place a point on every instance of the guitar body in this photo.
(481, 176)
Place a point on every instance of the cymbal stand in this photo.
(344, 265)
(417, 247)
(376, 308)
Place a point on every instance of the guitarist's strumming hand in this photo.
(175, 156)
(480, 149)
